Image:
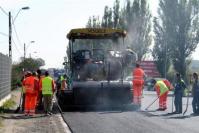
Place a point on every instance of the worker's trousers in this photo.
(30, 103)
(178, 102)
(48, 104)
(163, 101)
(137, 92)
(195, 103)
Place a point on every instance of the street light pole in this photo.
(10, 35)
(25, 48)
(10, 29)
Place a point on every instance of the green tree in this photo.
(179, 22)
(105, 17)
(138, 24)
(116, 13)
(18, 69)
(160, 51)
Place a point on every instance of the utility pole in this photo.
(10, 36)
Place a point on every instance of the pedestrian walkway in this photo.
(18, 123)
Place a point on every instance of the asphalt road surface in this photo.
(132, 121)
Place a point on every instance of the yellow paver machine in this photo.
(98, 61)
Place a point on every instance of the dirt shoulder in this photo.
(18, 123)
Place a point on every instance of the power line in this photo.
(15, 31)
(18, 51)
(4, 34)
(3, 11)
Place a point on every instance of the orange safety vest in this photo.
(30, 84)
(138, 75)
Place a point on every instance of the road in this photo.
(133, 122)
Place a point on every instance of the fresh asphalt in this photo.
(143, 121)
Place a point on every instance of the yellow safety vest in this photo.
(163, 87)
(47, 85)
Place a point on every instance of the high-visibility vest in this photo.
(47, 84)
(29, 84)
(162, 86)
(168, 84)
(138, 74)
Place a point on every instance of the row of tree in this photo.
(176, 34)
(134, 17)
(176, 30)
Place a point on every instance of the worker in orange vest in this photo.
(31, 85)
(138, 83)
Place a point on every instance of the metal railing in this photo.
(5, 76)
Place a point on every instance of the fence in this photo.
(5, 76)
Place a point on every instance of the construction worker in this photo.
(63, 82)
(39, 97)
(162, 91)
(178, 93)
(48, 89)
(195, 93)
(138, 83)
(31, 86)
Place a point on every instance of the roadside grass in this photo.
(1, 124)
(7, 105)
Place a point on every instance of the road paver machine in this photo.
(97, 62)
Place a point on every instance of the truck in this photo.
(97, 62)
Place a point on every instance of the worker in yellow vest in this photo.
(48, 89)
(162, 91)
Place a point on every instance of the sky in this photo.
(47, 23)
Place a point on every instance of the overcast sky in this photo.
(47, 22)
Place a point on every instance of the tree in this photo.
(135, 18)
(138, 20)
(179, 30)
(116, 13)
(93, 22)
(105, 17)
(159, 52)
(29, 64)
